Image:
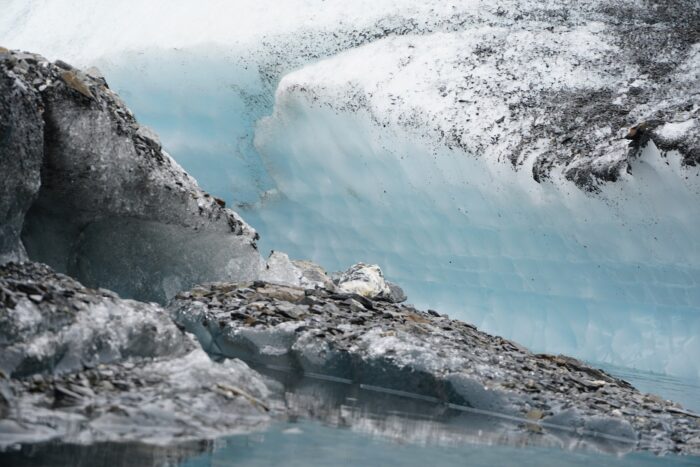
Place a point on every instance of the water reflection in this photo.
(312, 443)
(420, 421)
(324, 421)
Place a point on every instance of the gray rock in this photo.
(313, 275)
(95, 73)
(94, 195)
(363, 279)
(424, 355)
(49, 323)
(21, 154)
(83, 365)
(396, 293)
(280, 269)
(149, 135)
(63, 65)
(367, 280)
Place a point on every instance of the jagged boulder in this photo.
(50, 323)
(300, 273)
(365, 280)
(113, 208)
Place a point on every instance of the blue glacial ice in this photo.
(341, 157)
(559, 271)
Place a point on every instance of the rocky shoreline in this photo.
(349, 337)
(84, 366)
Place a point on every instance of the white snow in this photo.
(84, 30)
(676, 130)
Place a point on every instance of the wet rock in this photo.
(396, 293)
(5, 397)
(21, 154)
(69, 327)
(397, 347)
(149, 135)
(88, 366)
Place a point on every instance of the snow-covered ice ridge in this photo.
(422, 150)
(515, 64)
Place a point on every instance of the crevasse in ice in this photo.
(400, 152)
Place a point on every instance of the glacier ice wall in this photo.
(369, 155)
(409, 152)
(610, 278)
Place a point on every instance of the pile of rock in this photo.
(367, 340)
(83, 365)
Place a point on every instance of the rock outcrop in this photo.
(21, 155)
(83, 366)
(50, 323)
(362, 279)
(347, 337)
(280, 269)
(94, 194)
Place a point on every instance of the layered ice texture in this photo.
(475, 151)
